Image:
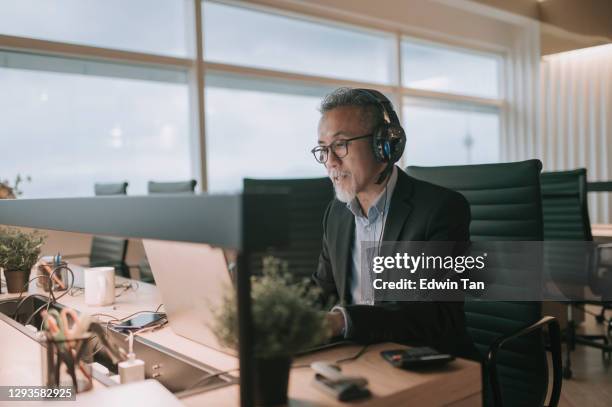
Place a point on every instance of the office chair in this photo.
(566, 218)
(119, 188)
(308, 199)
(603, 186)
(108, 250)
(506, 205)
(179, 187)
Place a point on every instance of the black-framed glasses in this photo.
(338, 147)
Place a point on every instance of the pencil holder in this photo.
(67, 362)
(53, 275)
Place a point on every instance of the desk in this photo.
(457, 386)
(602, 231)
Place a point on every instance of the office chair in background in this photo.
(108, 250)
(179, 187)
(308, 199)
(566, 218)
(605, 261)
(506, 205)
(157, 188)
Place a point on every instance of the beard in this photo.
(344, 185)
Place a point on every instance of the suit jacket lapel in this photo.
(399, 208)
(346, 230)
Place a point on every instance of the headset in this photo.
(389, 139)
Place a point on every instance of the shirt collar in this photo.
(381, 203)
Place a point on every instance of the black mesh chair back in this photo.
(109, 250)
(308, 199)
(506, 205)
(179, 187)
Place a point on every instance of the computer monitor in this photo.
(192, 279)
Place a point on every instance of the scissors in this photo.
(64, 327)
(53, 323)
(71, 330)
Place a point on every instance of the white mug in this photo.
(99, 285)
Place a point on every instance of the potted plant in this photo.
(11, 192)
(287, 318)
(19, 251)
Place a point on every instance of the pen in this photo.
(59, 282)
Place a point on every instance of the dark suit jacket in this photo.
(418, 211)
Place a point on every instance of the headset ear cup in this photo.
(386, 150)
(397, 142)
(377, 145)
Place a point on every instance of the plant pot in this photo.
(271, 380)
(16, 280)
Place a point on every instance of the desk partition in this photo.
(242, 222)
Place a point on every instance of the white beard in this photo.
(343, 194)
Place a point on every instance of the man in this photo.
(360, 139)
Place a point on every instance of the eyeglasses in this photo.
(338, 147)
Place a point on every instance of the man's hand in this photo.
(335, 321)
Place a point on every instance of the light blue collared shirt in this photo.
(367, 229)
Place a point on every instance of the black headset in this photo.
(389, 139)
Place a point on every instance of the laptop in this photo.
(192, 279)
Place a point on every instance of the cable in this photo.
(116, 321)
(132, 285)
(339, 361)
(100, 346)
(50, 300)
(131, 315)
(384, 213)
(55, 270)
(104, 315)
(158, 325)
(22, 300)
(53, 298)
(354, 357)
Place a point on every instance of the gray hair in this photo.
(373, 115)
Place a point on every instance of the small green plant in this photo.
(19, 251)
(11, 192)
(287, 316)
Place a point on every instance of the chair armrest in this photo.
(555, 348)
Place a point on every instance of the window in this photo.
(70, 130)
(241, 36)
(151, 26)
(449, 134)
(433, 67)
(461, 124)
(259, 129)
(73, 116)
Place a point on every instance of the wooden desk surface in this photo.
(601, 230)
(458, 385)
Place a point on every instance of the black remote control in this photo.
(416, 358)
